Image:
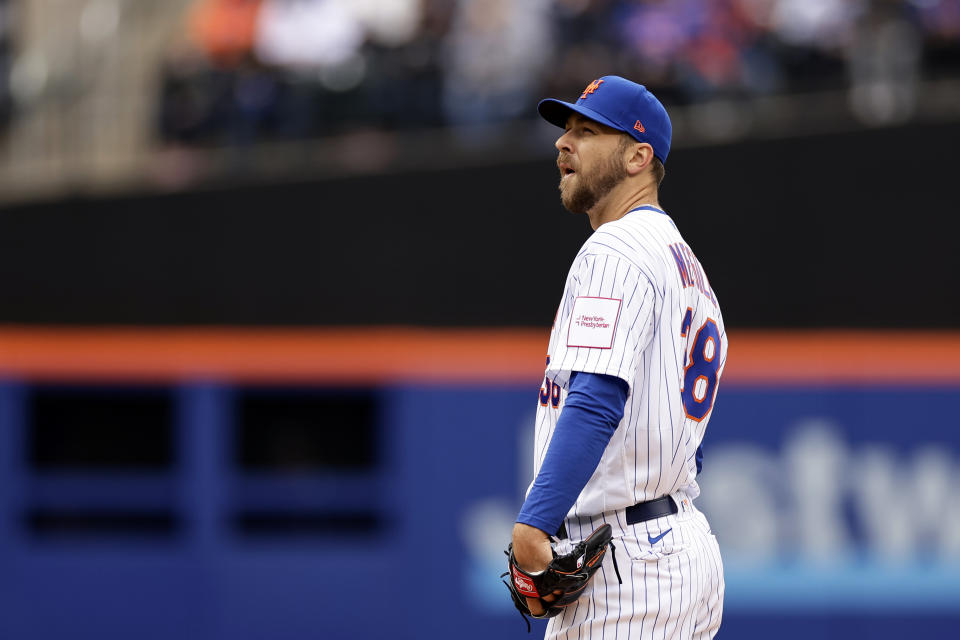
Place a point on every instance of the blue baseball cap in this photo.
(620, 104)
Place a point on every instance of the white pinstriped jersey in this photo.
(637, 305)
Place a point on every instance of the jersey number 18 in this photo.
(700, 368)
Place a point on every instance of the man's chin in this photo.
(573, 206)
(571, 198)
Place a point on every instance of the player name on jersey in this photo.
(691, 273)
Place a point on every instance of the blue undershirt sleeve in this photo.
(590, 415)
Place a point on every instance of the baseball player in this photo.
(634, 360)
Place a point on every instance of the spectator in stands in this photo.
(304, 68)
(224, 29)
(497, 52)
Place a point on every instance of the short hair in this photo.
(659, 171)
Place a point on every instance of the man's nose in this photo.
(563, 143)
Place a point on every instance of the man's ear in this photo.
(639, 157)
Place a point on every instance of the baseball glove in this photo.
(568, 573)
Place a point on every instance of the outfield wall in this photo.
(204, 483)
(801, 232)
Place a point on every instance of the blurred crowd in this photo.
(255, 70)
(6, 62)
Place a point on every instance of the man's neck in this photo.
(621, 201)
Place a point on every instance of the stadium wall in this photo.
(842, 230)
(244, 483)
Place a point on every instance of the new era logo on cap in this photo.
(619, 104)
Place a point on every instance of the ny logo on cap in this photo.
(593, 86)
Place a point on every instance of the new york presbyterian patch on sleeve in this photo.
(593, 322)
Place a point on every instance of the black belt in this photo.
(640, 512)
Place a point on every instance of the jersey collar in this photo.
(647, 207)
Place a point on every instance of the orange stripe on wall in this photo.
(843, 357)
(329, 356)
(399, 354)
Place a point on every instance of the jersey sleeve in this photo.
(605, 320)
(593, 409)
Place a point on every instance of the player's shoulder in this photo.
(640, 237)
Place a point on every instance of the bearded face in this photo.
(581, 190)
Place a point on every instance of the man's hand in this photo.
(532, 551)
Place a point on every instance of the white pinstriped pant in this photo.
(672, 588)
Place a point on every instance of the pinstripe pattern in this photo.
(675, 588)
(672, 590)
